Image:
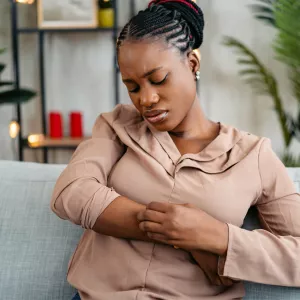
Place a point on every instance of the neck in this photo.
(194, 125)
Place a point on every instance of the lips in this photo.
(156, 116)
(153, 113)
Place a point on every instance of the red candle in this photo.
(55, 125)
(76, 124)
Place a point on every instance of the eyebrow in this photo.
(144, 75)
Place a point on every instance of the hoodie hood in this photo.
(226, 150)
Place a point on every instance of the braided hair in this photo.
(179, 22)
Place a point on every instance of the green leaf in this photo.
(245, 61)
(290, 160)
(267, 1)
(2, 50)
(4, 83)
(16, 96)
(248, 72)
(261, 80)
(264, 11)
(294, 75)
(268, 20)
(2, 67)
(287, 47)
(287, 42)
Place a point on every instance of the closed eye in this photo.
(135, 90)
(160, 82)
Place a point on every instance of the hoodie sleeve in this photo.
(270, 255)
(81, 193)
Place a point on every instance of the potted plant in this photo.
(9, 94)
(283, 15)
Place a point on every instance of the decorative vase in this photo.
(55, 125)
(76, 125)
(106, 14)
(106, 17)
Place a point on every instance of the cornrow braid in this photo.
(180, 22)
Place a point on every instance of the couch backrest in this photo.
(35, 245)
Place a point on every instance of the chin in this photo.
(160, 127)
(164, 126)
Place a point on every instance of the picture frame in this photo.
(65, 14)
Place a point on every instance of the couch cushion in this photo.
(35, 245)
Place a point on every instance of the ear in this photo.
(194, 58)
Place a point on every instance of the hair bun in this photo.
(190, 12)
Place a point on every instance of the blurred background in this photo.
(58, 71)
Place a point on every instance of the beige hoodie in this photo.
(128, 157)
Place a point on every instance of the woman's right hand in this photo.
(208, 262)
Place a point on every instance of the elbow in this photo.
(57, 207)
(62, 200)
(82, 201)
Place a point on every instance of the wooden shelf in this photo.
(39, 141)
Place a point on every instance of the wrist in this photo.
(221, 239)
(216, 239)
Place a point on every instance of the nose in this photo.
(148, 97)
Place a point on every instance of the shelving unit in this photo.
(47, 144)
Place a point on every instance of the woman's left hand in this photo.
(184, 226)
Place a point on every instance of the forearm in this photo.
(119, 220)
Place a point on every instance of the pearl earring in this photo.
(197, 75)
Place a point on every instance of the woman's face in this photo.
(160, 82)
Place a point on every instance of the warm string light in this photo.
(35, 139)
(14, 129)
(26, 1)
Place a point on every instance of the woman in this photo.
(162, 191)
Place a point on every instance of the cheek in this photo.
(184, 80)
(135, 101)
(185, 92)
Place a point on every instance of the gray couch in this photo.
(35, 245)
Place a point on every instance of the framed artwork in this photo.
(62, 14)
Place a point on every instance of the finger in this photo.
(162, 207)
(158, 237)
(152, 227)
(161, 238)
(150, 215)
(140, 215)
